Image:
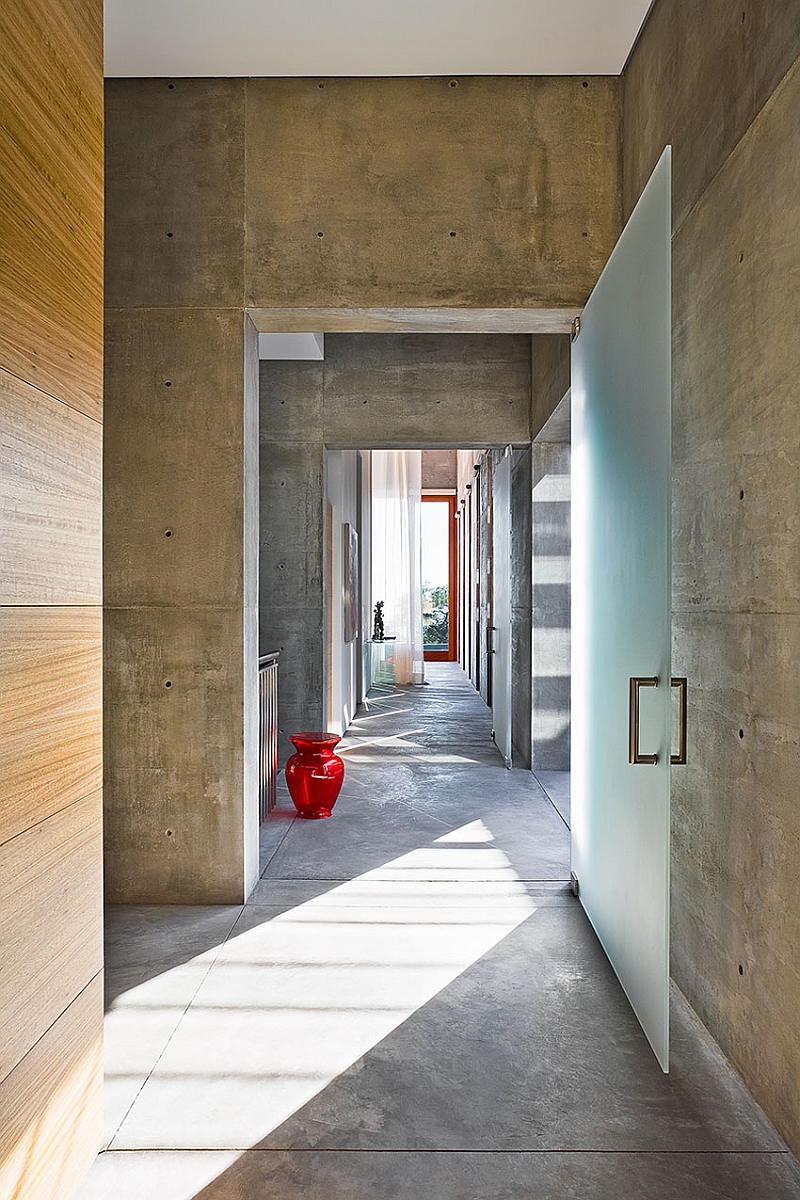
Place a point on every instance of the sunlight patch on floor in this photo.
(428, 756)
(394, 712)
(394, 739)
(293, 1001)
(476, 831)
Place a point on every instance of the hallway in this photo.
(411, 1004)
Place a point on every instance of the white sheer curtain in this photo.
(397, 555)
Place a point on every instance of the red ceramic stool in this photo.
(314, 774)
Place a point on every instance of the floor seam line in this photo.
(178, 1023)
(277, 848)
(551, 802)
(418, 1151)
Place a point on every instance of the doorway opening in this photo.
(437, 573)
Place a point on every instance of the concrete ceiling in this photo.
(370, 37)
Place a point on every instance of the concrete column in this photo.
(521, 605)
(292, 540)
(551, 607)
(180, 498)
(180, 606)
(484, 530)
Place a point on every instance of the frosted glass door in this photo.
(621, 625)
(501, 607)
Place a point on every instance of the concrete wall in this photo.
(497, 192)
(475, 616)
(551, 606)
(180, 556)
(364, 675)
(521, 605)
(51, 413)
(469, 506)
(177, 578)
(439, 469)
(551, 425)
(705, 79)
(550, 375)
(291, 564)
(388, 389)
(373, 192)
(342, 480)
(395, 390)
(483, 511)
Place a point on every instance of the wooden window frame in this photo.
(451, 654)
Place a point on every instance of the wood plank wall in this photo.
(51, 246)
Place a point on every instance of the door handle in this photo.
(634, 754)
(635, 757)
(679, 759)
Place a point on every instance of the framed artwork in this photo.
(350, 582)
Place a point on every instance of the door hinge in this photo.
(576, 328)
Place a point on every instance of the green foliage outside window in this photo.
(435, 615)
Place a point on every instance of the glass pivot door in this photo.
(621, 596)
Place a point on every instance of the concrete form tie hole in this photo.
(453, 83)
(741, 733)
(167, 383)
(168, 683)
(585, 83)
(169, 833)
(741, 969)
(167, 533)
(169, 235)
(741, 258)
(320, 233)
(452, 233)
(741, 495)
(171, 87)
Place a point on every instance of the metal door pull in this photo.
(679, 759)
(634, 754)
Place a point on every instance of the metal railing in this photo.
(268, 732)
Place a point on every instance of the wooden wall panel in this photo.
(50, 882)
(57, 120)
(51, 1106)
(50, 712)
(50, 496)
(51, 337)
(51, 197)
(50, 286)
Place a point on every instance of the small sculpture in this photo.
(377, 628)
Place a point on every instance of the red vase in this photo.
(314, 775)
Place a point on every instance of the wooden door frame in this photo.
(451, 654)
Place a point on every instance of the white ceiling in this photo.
(370, 37)
(297, 347)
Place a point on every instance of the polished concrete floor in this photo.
(411, 1004)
